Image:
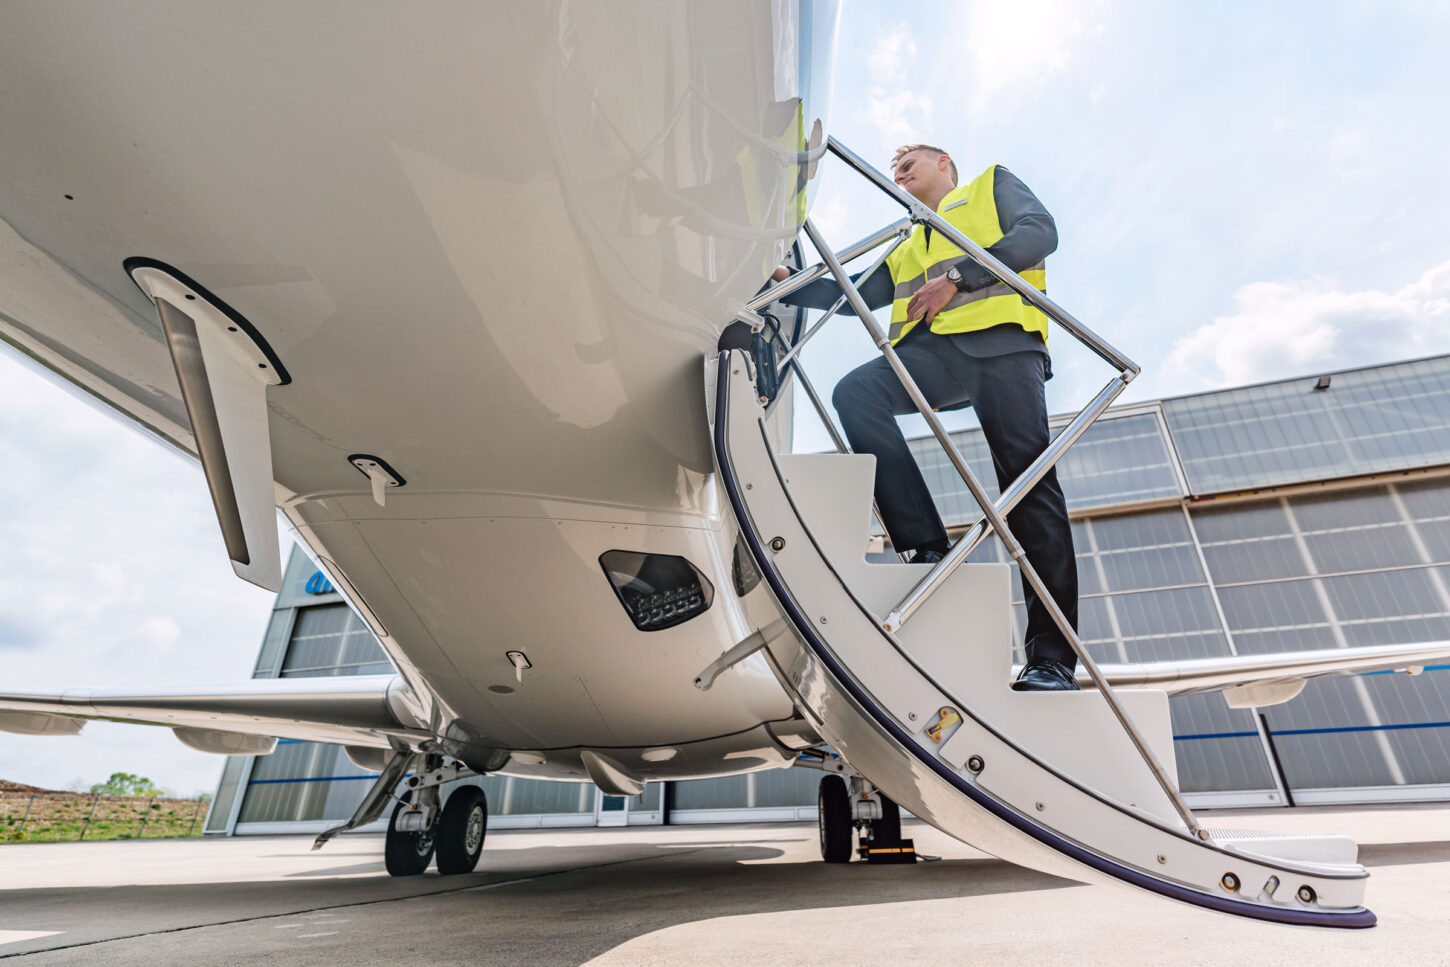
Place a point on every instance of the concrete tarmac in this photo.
(699, 895)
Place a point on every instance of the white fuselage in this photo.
(492, 244)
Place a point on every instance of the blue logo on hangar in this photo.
(318, 583)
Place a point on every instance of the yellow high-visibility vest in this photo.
(972, 209)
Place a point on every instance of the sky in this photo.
(1242, 192)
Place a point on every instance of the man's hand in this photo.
(931, 299)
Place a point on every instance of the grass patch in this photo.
(55, 817)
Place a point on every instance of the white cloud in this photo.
(162, 632)
(888, 59)
(1281, 328)
(893, 108)
(112, 574)
(831, 216)
(1011, 46)
(1352, 154)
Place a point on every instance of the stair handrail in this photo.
(993, 516)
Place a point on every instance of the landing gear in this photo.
(406, 852)
(886, 831)
(460, 831)
(863, 808)
(835, 819)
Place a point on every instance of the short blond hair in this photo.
(907, 149)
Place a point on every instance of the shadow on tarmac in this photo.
(536, 906)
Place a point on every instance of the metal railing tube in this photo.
(1010, 498)
(988, 261)
(875, 267)
(792, 365)
(805, 277)
(1029, 573)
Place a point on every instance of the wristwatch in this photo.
(954, 276)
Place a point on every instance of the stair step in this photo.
(832, 492)
(1323, 850)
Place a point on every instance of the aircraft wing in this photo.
(367, 710)
(244, 717)
(1255, 681)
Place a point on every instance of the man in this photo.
(966, 339)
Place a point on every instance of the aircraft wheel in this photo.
(461, 830)
(834, 819)
(406, 854)
(886, 831)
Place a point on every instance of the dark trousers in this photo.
(1007, 393)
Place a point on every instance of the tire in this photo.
(407, 854)
(886, 831)
(460, 831)
(834, 819)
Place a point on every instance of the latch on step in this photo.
(946, 718)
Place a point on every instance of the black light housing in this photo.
(658, 591)
(742, 568)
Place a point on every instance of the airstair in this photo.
(904, 669)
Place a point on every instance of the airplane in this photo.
(473, 297)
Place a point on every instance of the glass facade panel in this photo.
(1326, 738)
(1416, 707)
(786, 787)
(1118, 460)
(1217, 747)
(332, 640)
(1427, 505)
(731, 792)
(1144, 594)
(226, 795)
(1275, 606)
(303, 781)
(1366, 421)
(516, 796)
(1248, 542)
(1341, 569)
(953, 502)
(1150, 550)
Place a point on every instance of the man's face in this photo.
(921, 174)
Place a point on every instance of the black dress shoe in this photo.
(1045, 675)
(926, 557)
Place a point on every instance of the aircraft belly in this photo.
(490, 243)
(456, 594)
